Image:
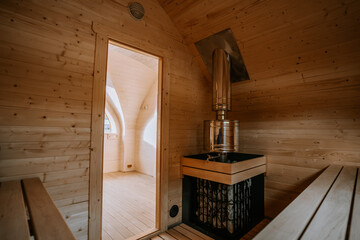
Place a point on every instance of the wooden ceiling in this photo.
(270, 34)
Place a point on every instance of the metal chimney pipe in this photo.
(221, 135)
(221, 83)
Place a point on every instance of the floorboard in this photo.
(184, 232)
(128, 204)
(253, 232)
(129, 209)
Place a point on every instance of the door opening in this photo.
(131, 143)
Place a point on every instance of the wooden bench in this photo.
(17, 199)
(328, 209)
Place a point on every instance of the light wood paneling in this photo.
(301, 107)
(47, 69)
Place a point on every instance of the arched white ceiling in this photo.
(132, 75)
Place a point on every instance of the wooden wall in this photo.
(47, 60)
(301, 107)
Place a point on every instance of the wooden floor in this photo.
(250, 235)
(128, 205)
(184, 232)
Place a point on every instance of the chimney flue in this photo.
(221, 135)
(221, 83)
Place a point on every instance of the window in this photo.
(107, 125)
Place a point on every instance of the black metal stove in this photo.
(223, 211)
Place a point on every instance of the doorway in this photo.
(131, 143)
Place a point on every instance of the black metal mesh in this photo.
(221, 206)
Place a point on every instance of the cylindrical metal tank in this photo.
(221, 135)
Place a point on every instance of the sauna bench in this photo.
(17, 199)
(329, 208)
(226, 173)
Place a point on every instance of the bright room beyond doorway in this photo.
(130, 144)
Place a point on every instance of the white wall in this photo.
(145, 138)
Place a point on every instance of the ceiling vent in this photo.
(136, 10)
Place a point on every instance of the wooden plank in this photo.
(223, 167)
(11, 116)
(292, 221)
(355, 218)
(166, 236)
(30, 72)
(156, 238)
(331, 219)
(221, 177)
(97, 137)
(172, 232)
(187, 233)
(29, 134)
(46, 219)
(255, 230)
(196, 232)
(13, 218)
(252, 172)
(31, 101)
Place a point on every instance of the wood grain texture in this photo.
(285, 225)
(13, 218)
(129, 204)
(46, 219)
(97, 137)
(223, 167)
(301, 105)
(224, 178)
(196, 232)
(355, 218)
(47, 68)
(325, 210)
(331, 219)
(176, 107)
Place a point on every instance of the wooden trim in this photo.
(223, 167)
(103, 36)
(164, 141)
(229, 179)
(97, 138)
